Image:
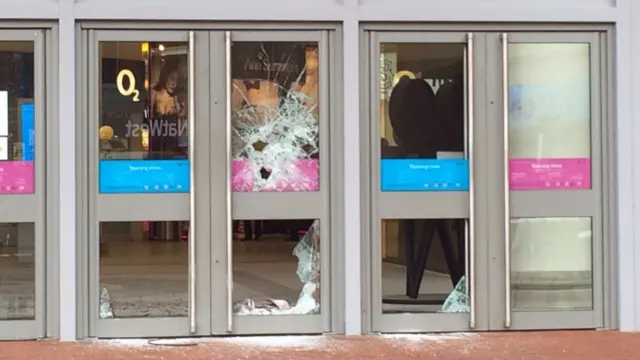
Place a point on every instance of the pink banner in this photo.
(16, 177)
(299, 175)
(550, 174)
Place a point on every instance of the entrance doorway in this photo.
(209, 190)
(486, 156)
(23, 186)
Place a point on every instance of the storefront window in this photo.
(143, 121)
(422, 122)
(17, 118)
(275, 117)
(549, 116)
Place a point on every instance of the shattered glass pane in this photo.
(458, 300)
(308, 272)
(275, 136)
(106, 311)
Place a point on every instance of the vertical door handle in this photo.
(505, 159)
(470, 253)
(229, 218)
(192, 186)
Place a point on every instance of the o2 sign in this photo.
(129, 90)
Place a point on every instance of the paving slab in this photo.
(548, 345)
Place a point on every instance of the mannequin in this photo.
(310, 86)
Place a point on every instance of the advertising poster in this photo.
(28, 129)
(16, 177)
(549, 116)
(144, 176)
(424, 175)
(4, 113)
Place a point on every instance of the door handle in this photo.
(505, 159)
(192, 184)
(229, 218)
(470, 257)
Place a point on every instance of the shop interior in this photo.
(144, 265)
(422, 117)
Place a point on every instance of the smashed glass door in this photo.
(271, 183)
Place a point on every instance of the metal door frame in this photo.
(545, 204)
(409, 205)
(606, 316)
(20, 208)
(282, 205)
(211, 315)
(117, 207)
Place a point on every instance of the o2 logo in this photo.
(129, 90)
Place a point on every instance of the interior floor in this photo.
(149, 279)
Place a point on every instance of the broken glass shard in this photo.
(458, 300)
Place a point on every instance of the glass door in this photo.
(487, 182)
(546, 213)
(148, 169)
(428, 169)
(270, 176)
(22, 184)
(209, 183)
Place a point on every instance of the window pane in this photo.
(551, 264)
(143, 137)
(276, 267)
(422, 122)
(17, 118)
(143, 269)
(275, 109)
(17, 271)
(423, 266)
(549, 116)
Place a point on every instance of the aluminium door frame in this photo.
(117, 207)
(450, 205)
(608, 126)
(332, 321)
(283, 205)
(546, 204)
(43, 35)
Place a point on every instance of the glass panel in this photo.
(422, 117)
(17, 271)
(276, 267)
(143, 135)
(143, 269)
(419, 276)
(275, 116)
(549, 98)
(17, 118)
(551, 264)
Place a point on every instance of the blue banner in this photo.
(27, 131)
(144, 176)
(425, 175)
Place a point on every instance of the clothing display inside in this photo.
(422, 109)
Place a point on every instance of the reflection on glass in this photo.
(143, 135)
(422, 131)
(140, 277)
(419, 276)
(549, 98)
(275, 112)
(17, 118)
(276, 267)
(17, 271)
(551, 264)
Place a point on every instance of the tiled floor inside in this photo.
(149, 279)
